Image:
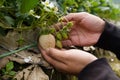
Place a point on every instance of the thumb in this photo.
(56, 53)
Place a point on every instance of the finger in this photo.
(52, 61)
(59, 25)
(58, 55)
(57, 64)
(75, 16)
(54, 54)
(41, 49)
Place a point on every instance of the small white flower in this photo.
(48, 6)
(51, 5)
(31, 12)
(27, 59)
(55, 9)
(47, 3)
(36, 16)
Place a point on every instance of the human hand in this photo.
(68, 61)
(86, 29)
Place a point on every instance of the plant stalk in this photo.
(18, 50)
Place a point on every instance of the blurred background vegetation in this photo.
(116, 1)
(16, 15)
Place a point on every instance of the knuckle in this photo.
(84, 13)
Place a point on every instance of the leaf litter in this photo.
(30, 56)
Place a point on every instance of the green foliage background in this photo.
(103, 8)
(14, 14)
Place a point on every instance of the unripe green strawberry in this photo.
(65, 28)
(58, 44)
(47, 41)
(60, 19)
(64, 35)
(52, 30)
(58, 36)
(69, 24)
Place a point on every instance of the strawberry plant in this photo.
(7, 72)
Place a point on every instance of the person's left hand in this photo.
(68, 61)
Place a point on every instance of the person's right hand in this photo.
(86, 29)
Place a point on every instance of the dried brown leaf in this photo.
(3, 62)
(23, 75)
(31, 58)
(37, 74)
(33, 72)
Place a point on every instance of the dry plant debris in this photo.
(30, 56)
(33, 72)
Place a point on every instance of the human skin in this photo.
(86, 31)
(68, 61)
